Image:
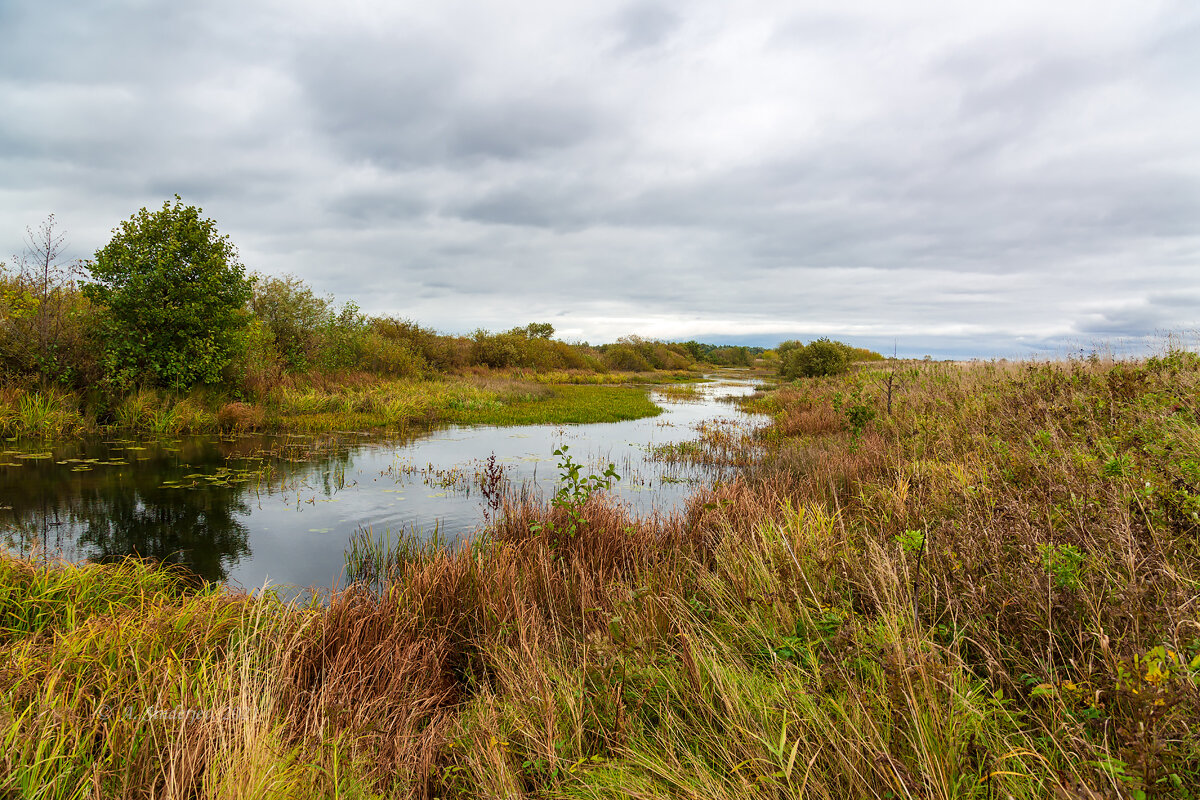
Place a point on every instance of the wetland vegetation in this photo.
(246, 508)
(989, 592)
(163, 332)
(919, 580)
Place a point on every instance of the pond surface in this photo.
(249, 510)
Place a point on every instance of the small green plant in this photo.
(911, 542)
(1064, 563)
(857, 413)
(1116, 467)
(575, 488)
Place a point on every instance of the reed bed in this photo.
(991, 592)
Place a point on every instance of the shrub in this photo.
(625, 358)
(294, 317)
(342, 339)
(635, 354)
(529, 346)
(393, 357)
(46, 324)
(496, 350)
(439, 352)
(261, 369)
(816, 359)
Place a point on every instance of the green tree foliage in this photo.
(635, 354)
(863, 354)
(173, 296)
(46, 324)
(342, 338)
(440, 353)
(528, 347)
(539, 330)
(786, 353)
(813, 360)
(724, 355)
(293, 315)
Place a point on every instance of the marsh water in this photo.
(253, 510)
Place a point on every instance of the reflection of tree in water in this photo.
(196, 529)
(119, 506)
(122, 509)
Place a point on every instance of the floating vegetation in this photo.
(721, 443)
(681, 393)
(458, 477)
(221, 476)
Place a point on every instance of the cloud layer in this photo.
(957, 179)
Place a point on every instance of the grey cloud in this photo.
(378, 206)
(513, 207)
(400, 102)
(521, 127)
(1156, 313)
(999, 191)
(849, 207)
(1016, 83)
(1173, 54)
(552, 203)
(382, 99)
(816, 29)
(645, 24)
(1188, 301)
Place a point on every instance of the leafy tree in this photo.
(788, 353)
(539, 330)
(293, 315)
(342, 337)
(821, 357)
(174, 297)
(45, 325)
(815, 359)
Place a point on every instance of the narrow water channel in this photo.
(254, 510)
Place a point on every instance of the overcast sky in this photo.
(988, 179)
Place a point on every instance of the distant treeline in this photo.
(724, 355)
(52, 331)
(166, 304)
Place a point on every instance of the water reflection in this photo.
(105, 499)
(280, 509)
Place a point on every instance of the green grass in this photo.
(495, 402)
(611, 378)
(562, 405)
(40, 414)
(371, 405)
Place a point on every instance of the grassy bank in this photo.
(354, 402)
(992, 591)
